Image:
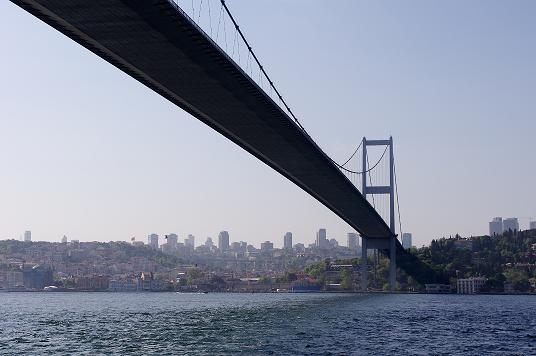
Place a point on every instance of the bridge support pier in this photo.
(386, 244)
(364, 265)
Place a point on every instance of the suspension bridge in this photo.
(197, 56)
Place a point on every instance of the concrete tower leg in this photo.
(392, 264)
(364, 265)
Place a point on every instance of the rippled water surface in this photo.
(169, 323)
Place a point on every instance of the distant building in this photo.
(321, 240)
(209, 242)
(464, 244)
(470, 285)
(223, 241)
(496, 226)
(239, 248)
(287, 241)
(64, 239)
(172, 240)
(267, 246)
(96, 282)
(406, 240)
(166, 248)
(190, 241)
(533, 225)
(124, 285)
(438, 288)
(299, 247)
(333, 243)
(27, 236)
(12, 278)
(352, 241)
(511, 224)
(235, 246)
(152, 240)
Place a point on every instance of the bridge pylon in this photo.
(389, 242)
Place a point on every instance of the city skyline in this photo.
(496, 226)
(154, 239)
(136, 163)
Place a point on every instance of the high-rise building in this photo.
(209, 242)
(152, 240)
(321, 240)
(27, 236)
(287, 241)
(223, 241)
(353, 241)
(533, 225)
(511, 224)
(406, 240)
(172, 240)
(496, 226)
(190, 241)
(267, 246)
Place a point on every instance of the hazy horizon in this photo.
(88, 152)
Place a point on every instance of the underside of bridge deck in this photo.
(156, 43)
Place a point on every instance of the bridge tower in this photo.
(389, 242)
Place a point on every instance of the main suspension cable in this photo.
(353, 154)
(366, 171)
(280, 97)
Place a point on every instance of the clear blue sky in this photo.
(89, 152)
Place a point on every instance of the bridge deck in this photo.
(157, 44)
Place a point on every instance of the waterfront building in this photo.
(438, 288)
(11, 279)
(496, 226)
(98, 282)
(287, 241)
(511, 224)
(406, 240)
(267, 246)
(123, 285)
(470, 285)
(27, 236)
(533, 225)
(152, 240)
(223, 241)
(321, 240)
(352, 241)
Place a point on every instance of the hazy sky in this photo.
(89, 152)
